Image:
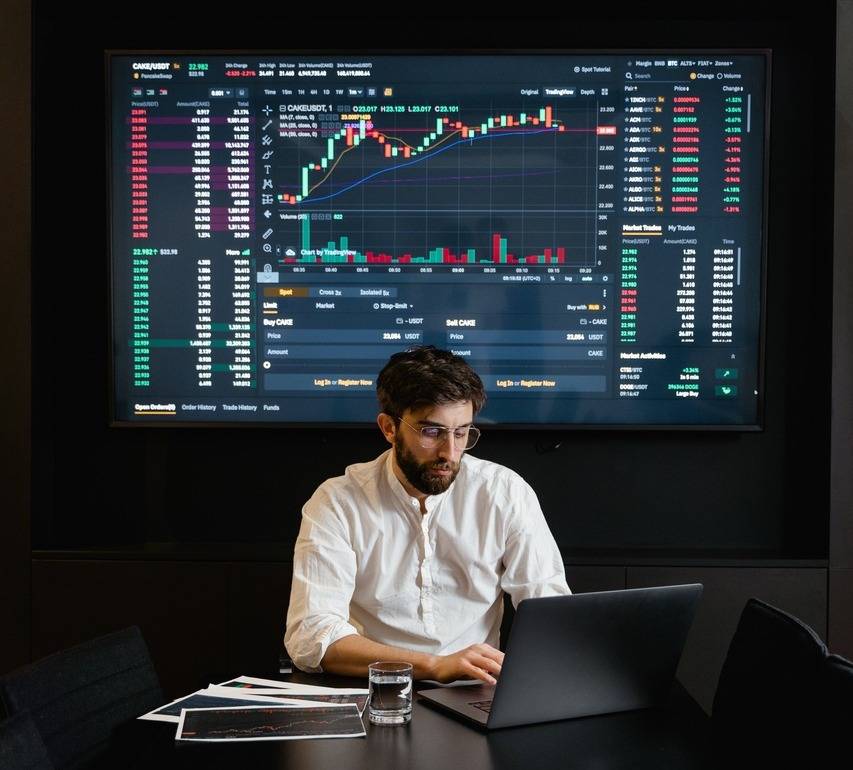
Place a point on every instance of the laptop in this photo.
(581, 655)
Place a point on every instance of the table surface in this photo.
(673, 737)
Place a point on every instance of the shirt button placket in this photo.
(426, 579)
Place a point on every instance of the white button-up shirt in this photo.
(368, 562)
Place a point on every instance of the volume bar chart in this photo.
(340, 254)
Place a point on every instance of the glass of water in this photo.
(390, 693)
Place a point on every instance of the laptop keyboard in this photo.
(483, 705)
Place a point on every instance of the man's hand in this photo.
(479, 661)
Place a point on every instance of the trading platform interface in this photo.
(586, 230)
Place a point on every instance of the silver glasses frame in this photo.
(431, 443)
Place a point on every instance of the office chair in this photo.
(79, 696)
(769, 702)
(837, 685)
(506, 622)
(21, 746)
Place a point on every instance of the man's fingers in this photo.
(480, 661)
(490, 652)
(483, 664)
(487, 664)
(477, 672)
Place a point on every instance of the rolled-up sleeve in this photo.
(533, 565)
(324, 568)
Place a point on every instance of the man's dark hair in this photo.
(427, 376)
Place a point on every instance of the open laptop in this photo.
(580, 655)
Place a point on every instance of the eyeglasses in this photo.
(432, 436)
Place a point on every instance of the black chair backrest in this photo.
(837, 684)
(77, 697)
(769, 701)
(506, 622)
(21, 746)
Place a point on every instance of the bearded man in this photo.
(407, 557)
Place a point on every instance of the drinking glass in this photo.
(390, 693)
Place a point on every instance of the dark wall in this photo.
(681, 492)
(841, 484)
(15, 335)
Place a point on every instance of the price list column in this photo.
(223, 218)
(140, 342)
(192, 321)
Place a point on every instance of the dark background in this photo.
(600, 490)
(189, 532)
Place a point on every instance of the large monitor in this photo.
(586, 228)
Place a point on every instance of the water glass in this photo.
(390, 700)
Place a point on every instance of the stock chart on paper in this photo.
(585, 229)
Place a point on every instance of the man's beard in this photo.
(418, 474)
